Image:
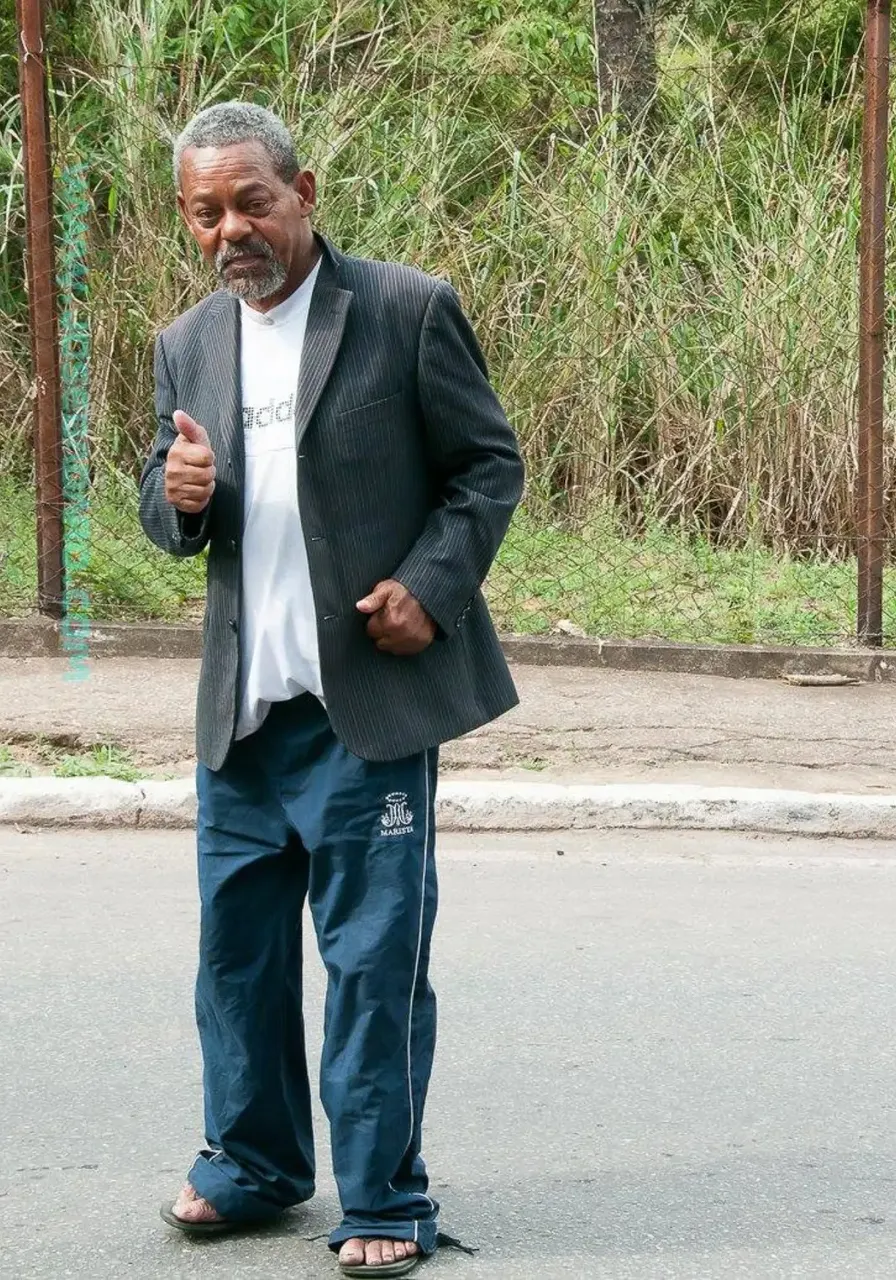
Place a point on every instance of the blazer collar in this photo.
(323, 336)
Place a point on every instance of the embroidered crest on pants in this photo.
(397, 818)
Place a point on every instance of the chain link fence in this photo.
(668, 306)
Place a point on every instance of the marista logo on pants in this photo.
(397, 817)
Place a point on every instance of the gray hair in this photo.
(228, 123)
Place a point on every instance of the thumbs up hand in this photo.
(190, 467)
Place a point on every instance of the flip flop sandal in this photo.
(220, 1227)
(406, 1265)
(362, 1269)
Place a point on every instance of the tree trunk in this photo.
(624, 41)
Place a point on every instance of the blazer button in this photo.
(233, 624)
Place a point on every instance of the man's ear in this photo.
(182, 209)
(305, 186)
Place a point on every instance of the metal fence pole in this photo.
(41, 275)
(872, 326)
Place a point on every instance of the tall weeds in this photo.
(669, 315)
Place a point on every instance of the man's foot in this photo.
(376, 1253)
(190, 1207)
(195, 1216)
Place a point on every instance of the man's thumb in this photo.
(377, 598)
(189, 428)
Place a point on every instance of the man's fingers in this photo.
(189, 428)
(400, 647)
(374, 602)
(192, 478)
(188, 473)
(189, 488)
(184, 454)
(192, 506)
(376, 627)
(378, 598)
(194, 491)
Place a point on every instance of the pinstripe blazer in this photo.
(407, 468)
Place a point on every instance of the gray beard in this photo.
(257, 286)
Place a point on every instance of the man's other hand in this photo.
(398, 623)
(190, 468)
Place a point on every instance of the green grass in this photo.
(127, 579)
(41, 757)
(666, 585)
(11, 766)
(99, 762)
(18, 549)
(662, 584)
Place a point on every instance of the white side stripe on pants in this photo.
(427, 837)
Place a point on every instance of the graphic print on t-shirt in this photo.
(258, 418)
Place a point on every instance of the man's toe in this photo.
(352, 1253)
(185, 1197)
(374, 1253)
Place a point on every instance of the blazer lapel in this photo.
(221, 343)
(326, 324)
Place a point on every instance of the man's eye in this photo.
(207, 216)
(257, 206)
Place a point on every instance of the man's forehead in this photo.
(240, 163)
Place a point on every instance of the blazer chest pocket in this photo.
(372, 431)
(373, 409)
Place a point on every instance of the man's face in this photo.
(250, 224)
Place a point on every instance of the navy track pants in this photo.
(293, 814)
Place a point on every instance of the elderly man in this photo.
(326, 428)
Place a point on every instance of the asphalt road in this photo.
(662, 1057)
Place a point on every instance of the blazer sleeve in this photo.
(474, 453)
(176, 532)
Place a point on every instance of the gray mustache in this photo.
(246, 249)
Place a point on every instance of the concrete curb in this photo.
(487, 806)
(70, 802)
(40, 638)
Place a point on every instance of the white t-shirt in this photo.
(278, 637)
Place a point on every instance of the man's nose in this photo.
(234, 227)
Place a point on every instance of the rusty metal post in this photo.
(41, 275)
(872, 325)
